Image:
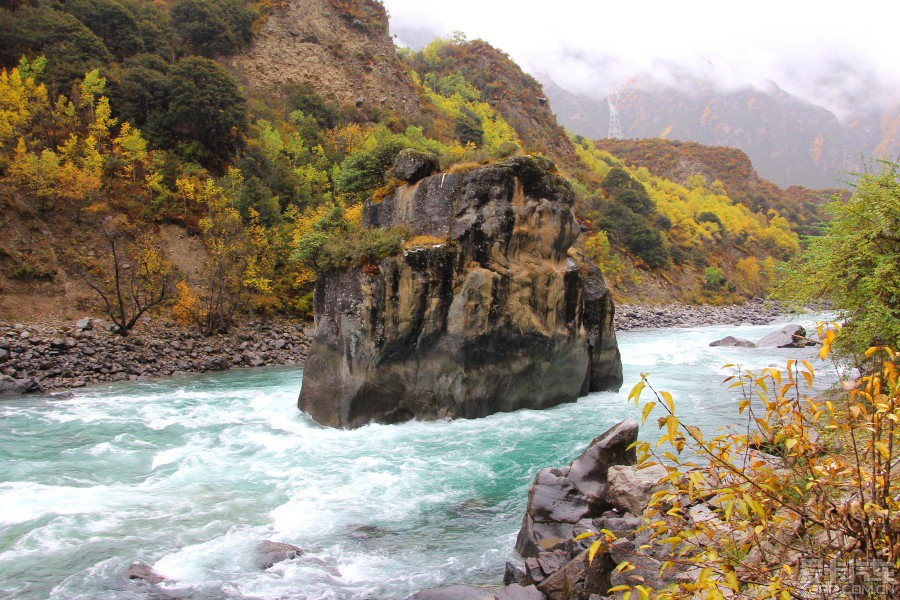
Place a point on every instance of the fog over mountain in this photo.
(808, 90)
(844, 60)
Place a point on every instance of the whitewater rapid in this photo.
(189, 474)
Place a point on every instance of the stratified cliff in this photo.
(496, 315)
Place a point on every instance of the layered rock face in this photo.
(493, 312)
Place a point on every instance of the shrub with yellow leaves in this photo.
(801, 498)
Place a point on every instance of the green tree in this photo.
(206, 107)
(468, 127)
(71, 48)
(855, 264)
(111, 22)
(139, 90)
(213, 27)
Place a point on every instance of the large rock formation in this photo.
(493, 313)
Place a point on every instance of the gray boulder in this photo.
(412, 165)
(269, 553)
(144, 572)
(518, 592)
(453, 592)
(84, 324)
(729, 341)
(789, 336)
(560, 498)
(630, 488)
(513, 573)
(16, 387)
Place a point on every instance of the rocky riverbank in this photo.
(36, 358)
(42, 358)
(756, 312)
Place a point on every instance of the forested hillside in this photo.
(176, 152)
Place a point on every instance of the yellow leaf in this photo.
(883, 450)
(648, 408)
(732, 581)
(596, 547)
(635, 392)
(584, 535)
(667, 397)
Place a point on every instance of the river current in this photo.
(188, 474)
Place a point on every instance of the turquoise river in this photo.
(189, 474)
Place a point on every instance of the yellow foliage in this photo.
(423, 241)
(186, 310)
(830, 494)
(21, 98)
(353, 215)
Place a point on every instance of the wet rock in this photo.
(453, 592)
(729, 341)
(513, 573)
(10, 386)
(789, 336)
(630, 488)
(411, 165)
(144, 572)
(561, 498)
(269, 553)
(578, 578)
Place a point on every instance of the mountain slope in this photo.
(791, 141)
(681, 161)
(339, 47)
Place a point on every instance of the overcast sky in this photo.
(832, 53)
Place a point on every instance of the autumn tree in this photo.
(798, 500)
(132, 278)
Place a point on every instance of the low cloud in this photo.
(837, 55)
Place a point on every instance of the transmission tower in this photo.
(615, 125)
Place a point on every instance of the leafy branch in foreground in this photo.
(800, 500)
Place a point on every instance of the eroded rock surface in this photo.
(495, 313)
(564, 502)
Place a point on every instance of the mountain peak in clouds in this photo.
(790, 140)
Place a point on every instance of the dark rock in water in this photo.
(270, 553)
(144, 572)
(730, 341)
(513, 573)
(453, 592)
(561, 498)
(412, 165)
(789, 336)
(14, 387)
(499, 317)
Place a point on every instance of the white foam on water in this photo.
(190, 474)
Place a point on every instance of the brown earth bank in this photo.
(45, 357)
